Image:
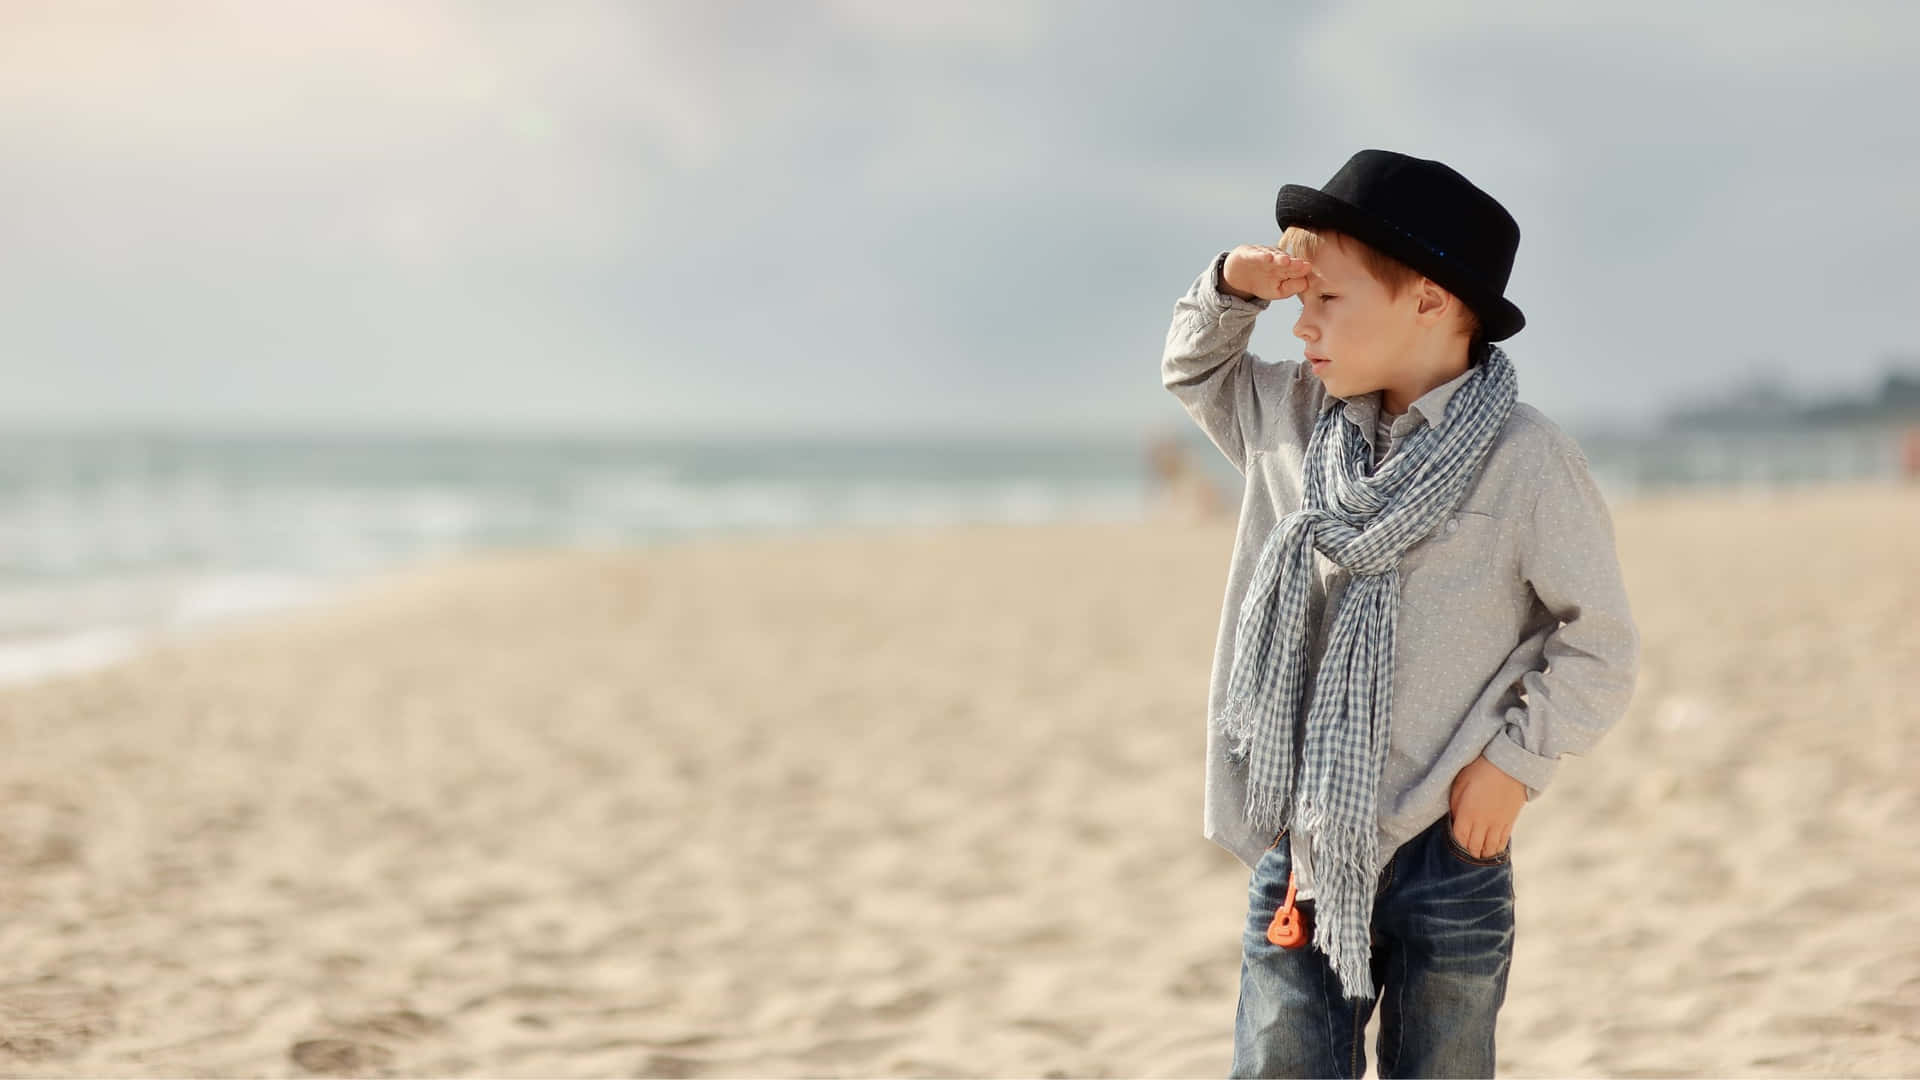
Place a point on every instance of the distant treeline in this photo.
(1768, 404)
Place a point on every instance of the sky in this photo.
(875, 217)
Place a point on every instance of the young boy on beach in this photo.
(1424, 611)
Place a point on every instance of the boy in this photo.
(1424, 611)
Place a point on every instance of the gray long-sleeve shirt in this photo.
(1515, 638)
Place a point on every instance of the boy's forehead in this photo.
(1330, 262)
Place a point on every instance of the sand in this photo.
(913, 803)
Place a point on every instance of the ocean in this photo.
(110, 538)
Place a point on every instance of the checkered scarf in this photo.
(1362, 521)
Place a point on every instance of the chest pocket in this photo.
(1467, 552)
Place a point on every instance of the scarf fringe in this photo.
(1343, 924)
(1267, 806)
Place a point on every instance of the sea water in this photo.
(110, 537)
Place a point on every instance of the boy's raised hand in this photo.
(1268, 273)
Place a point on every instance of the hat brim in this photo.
(1313, 208)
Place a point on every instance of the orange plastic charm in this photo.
(1289, 927)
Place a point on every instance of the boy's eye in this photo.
(1326, 296)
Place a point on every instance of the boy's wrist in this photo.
(1531, 769)
(1228, 288)
(1220, 283)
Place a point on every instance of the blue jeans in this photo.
(1442, 945)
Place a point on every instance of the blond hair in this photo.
(1397, 277)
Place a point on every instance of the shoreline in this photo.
(220, 601)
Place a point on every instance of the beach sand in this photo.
(912, 803)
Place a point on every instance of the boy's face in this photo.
(1348, 320)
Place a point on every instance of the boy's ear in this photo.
(1432, 301)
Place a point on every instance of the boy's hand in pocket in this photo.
(1264, 273)
(1485, 802)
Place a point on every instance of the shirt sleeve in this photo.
(1226, 389)
(1593, 657)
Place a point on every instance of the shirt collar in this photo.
(1431, 407)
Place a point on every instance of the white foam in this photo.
(28, 659)
(59, 627)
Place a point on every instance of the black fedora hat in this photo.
(1427, 216)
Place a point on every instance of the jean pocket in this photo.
(1454, 848)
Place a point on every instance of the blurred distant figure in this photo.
(1910, 455)
(1180, 490)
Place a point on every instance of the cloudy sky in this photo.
(870, 215)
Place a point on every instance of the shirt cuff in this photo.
(1522, 764)
(1219, 302)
